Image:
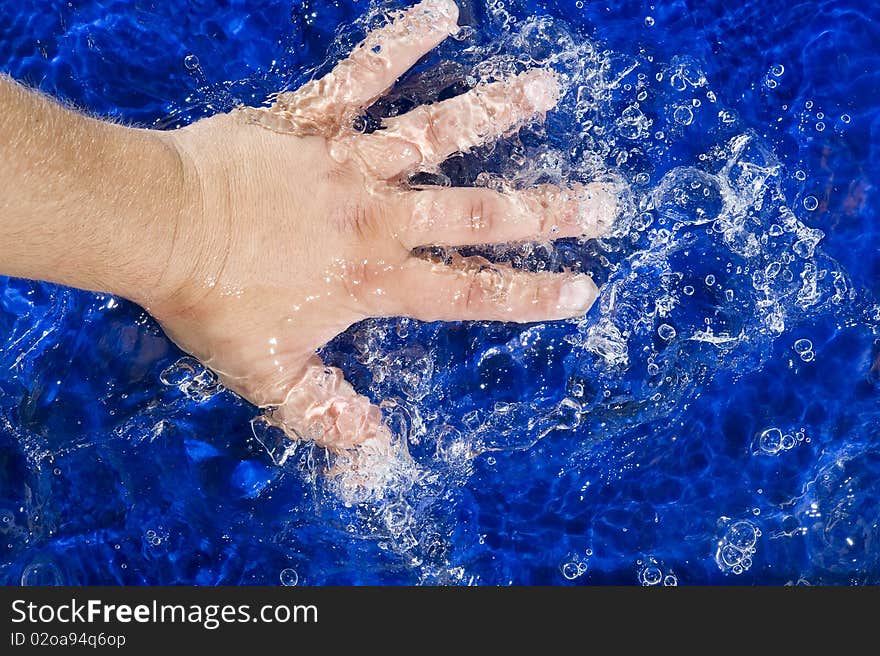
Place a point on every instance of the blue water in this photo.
(602, 451)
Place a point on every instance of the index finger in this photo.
(373, 66)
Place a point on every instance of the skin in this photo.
(257, 236)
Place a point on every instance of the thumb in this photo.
(323, 407)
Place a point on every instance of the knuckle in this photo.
(544, 295)
(360, 218)
(481, 217)
(432, 134)
(473, 298)
(486, 288)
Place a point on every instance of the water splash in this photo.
(708, 246)
(667, 322)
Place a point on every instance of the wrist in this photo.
(195, 247)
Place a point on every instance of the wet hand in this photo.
(295, 227)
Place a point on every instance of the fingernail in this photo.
(541, 91)
(578, 294)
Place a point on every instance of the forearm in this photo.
(83, 202)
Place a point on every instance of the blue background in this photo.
(109, 475)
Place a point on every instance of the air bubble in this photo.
(666, 331)
(683, 115)
(574, 565)
(811, 203)
(289, 577)
(649, 21)
(802, 346)
(777, 70)
(845, 118)
(737, 546)
(651, 575)
(688, 290)
(800, 175)
(710, 280)
(191, 62)
(570, 571)
(688, 195)
(820, 126)
(770, 441)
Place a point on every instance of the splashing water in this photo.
(667, 321)
(711, 265)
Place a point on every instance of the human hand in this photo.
(292, 234)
